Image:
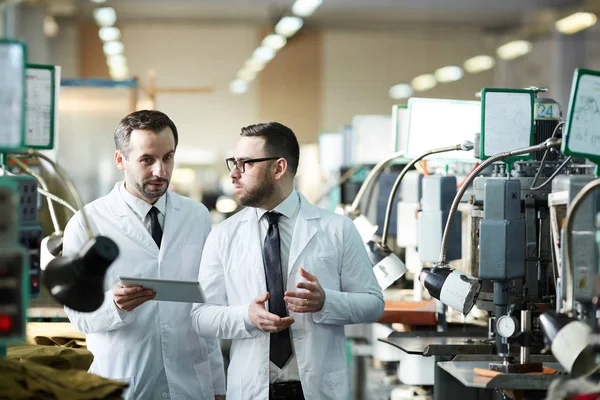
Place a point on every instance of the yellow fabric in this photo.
(54, 334)
(52, 356)
(491, 374)
(28, 380)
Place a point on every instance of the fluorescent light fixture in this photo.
(109, 33)
(514, 49)
(119, 72)
(288, 26)
(238, 86)
(264, 53)
(450, 73)
(50, 26)
(478, 64)
(401, 91)
(423, 82)
(275, 42)
(576, 22)
(305, 8)
(246, 74)
(98, 1)
(255, 64)
(105, 16)
(116, 60)
(112, 48)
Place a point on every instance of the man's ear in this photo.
(120, 160)
(281, 167)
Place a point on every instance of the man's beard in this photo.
(258, 195)
(153, 193)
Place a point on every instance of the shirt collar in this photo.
(287, 207)
(139, 206)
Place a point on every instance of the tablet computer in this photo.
(168, 290)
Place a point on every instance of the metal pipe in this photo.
(371, 177)
(551, 142)
(390, 203)
(573, 207)
(525, 328)
(70, 187)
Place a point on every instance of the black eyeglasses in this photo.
(241, 164)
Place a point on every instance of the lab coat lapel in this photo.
(250, 241)
(129, 224)
(303, 231)
(174, 217)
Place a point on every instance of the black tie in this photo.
(281, 347)
(155, 228)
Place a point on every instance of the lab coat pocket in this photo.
(336, 385)
(129, 392)
(204, 377)
(325, 267)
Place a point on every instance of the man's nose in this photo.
(159, 169)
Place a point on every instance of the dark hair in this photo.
(279, 141)
(148, 120)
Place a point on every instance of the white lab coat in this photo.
(232, 275)
(133, 346)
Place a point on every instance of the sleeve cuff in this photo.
(248, 325)
(321, 316)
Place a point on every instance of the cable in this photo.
(551, 142)
(70, 187)
(459, 184)
(573, 207)
(51, 196)
(42, 183)
(540, 169)
(56, 199)
(547, 181)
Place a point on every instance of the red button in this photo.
(6, 323)
(35, 281)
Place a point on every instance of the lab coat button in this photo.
(164, 395)
(263, 370)
(264, 337)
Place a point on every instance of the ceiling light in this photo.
(514, 49)
(109, 33)
(275, 42)
(264, 53)
(401, 91)
(105, 16)
(98, 1)
(447, 74)
(575, 22)
(479, 64)
(112, 48)
(255, 64)
(50, 26)
(119, 72)
(423, 82)
(246, 74)
(116, 60)
(305, 8)
(288, 26)
(238, 86)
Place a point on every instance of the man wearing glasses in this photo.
(282, 278)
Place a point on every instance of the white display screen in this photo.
(508, 121)
(584, 127)
(372, 138)
(434, 123)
